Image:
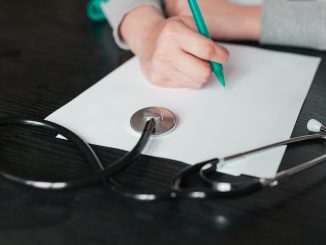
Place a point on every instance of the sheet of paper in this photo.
(264, 94)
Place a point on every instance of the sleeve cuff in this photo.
(115, 11)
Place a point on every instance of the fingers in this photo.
(175, 79)
(200, 46)
(192, 67)
(205, 49)
(183, 32)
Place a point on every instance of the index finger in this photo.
(194, 43)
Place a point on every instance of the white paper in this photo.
(264, 94)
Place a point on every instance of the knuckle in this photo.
(161, 55)
(171, 28)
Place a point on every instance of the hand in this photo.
(225, 20)
(176, 55)
(171, 52)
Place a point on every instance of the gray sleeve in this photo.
(294, 22)
(115, 10)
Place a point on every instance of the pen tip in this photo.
(220, 76)
(222, 80)
(218, 70)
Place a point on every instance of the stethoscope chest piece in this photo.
(165, 120)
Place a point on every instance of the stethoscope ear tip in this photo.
(314, 126)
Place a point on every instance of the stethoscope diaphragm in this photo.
(165, 120)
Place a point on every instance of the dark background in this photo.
(49, 53)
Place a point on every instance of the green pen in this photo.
(202, 28)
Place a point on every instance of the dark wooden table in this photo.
(49, 53)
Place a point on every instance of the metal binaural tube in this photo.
(281, 143)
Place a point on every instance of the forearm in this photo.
(245, 23)
(225, 20)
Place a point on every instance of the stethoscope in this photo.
(157, 121)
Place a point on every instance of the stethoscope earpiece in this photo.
(315, 126)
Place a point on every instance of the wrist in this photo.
(138, 27)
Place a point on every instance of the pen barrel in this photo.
(199, 19)
(202, 28)
(216, 66)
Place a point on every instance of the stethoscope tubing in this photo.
(91, 157)
(106, 175)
